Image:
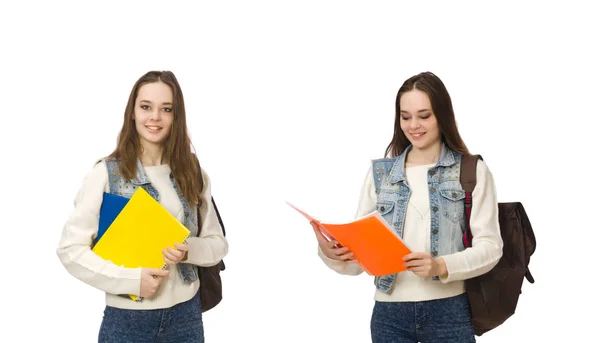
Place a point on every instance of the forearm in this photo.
(206, 251)
(88, 267)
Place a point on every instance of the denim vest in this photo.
(445, 202)
(120, 186)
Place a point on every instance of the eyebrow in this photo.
(148, 101)
(419, 111)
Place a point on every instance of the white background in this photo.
(290, 101)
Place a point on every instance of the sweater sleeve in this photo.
(211, 247)
(74, 248)
(485, 227)
(366, 204)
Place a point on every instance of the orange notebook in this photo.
(376, 247)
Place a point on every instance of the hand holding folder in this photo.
(138, 233)
(376, 247)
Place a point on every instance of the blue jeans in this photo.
(442, 320)
(180, 323)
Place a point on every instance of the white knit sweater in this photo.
(82, 227)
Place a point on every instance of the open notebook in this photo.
(376, 247)
(139, 233)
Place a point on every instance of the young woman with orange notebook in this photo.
(416, 188)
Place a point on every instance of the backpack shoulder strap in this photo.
(218, 215)
(212, 200)
(468, 181)
(468, 172)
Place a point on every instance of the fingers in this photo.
(340, 254)
(172, 256)
(346, 257)
(151, 280)
(415, 263)
(420, 269)
(416, 255)
(156, 272)
(332, 249)
(182, 247)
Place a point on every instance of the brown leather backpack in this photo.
(493, 296)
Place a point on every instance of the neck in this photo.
(151, 155)
(430, 154)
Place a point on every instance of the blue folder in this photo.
(111, 207)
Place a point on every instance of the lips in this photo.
(417, 135)
(153, 128)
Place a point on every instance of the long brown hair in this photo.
(177, 148)
(442, 109)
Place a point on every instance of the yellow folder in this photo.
(139, 233)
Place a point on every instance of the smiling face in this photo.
(418, 121)
(153, 113)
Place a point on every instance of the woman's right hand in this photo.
(151, 279)
(331, 249)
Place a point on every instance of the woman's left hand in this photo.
(173, 256)
(424, 265)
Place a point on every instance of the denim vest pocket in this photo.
(385, 208)
(452, 204)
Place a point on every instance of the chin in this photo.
(421, 145)
(155, 140)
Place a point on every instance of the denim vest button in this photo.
(382, 208)
(432, 190)
(432, 172)
(435, 209)
(434, 253)
(435, 232)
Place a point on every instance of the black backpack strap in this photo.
(212, 199)
(468, 181)
(218, 215)
(221, 264)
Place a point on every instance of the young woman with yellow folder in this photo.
(153, 152)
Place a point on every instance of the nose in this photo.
(155, 115)
(414, 123)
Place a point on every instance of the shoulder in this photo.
(99, 170)
(94, 183)
(482, 169)
(484, 178)
(204, 175)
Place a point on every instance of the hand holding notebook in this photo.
(138, 235)
(330, 247)
(371, 241)
(151, 280)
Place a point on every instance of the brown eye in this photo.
(145, 107)
(167, 109)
